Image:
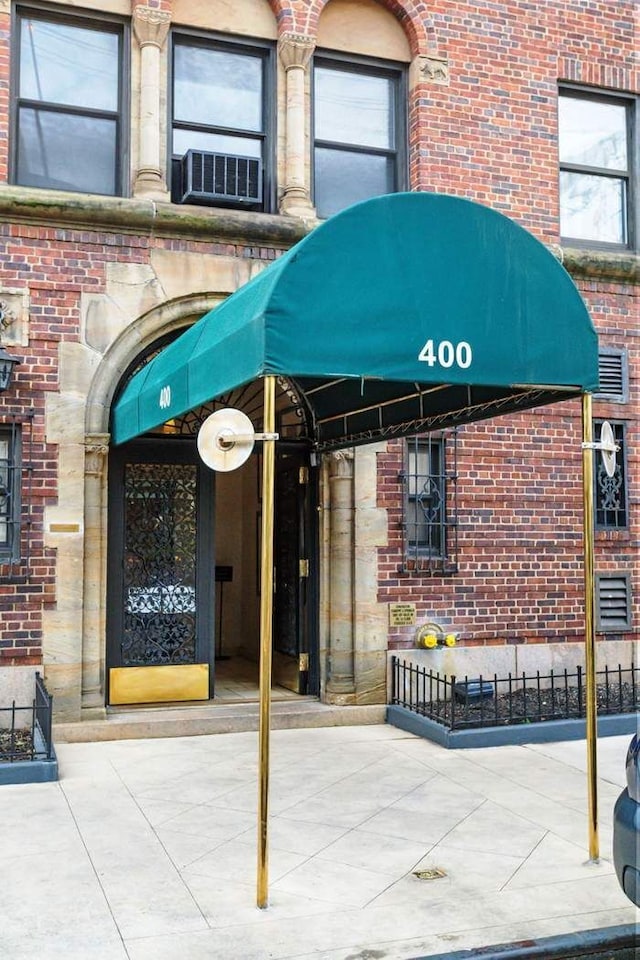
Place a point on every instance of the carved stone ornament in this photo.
(7, 316)
(295, 50)
(341, 463)
(96, 449)
(14, 316)
(151, 26)
(433, 70)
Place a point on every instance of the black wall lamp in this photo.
(7, 363)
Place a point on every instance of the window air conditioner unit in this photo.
(220, 178)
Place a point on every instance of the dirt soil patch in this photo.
(16, 746)
(532, 706)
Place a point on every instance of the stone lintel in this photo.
(600, 264)
(140, 216)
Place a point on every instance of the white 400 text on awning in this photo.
(446, 354)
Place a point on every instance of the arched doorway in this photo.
(183, 561)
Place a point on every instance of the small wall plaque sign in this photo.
(402, 614)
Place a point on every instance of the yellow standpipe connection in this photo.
(430, 635)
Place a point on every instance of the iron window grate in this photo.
(429, 504)
(16, 471)
(611, 492)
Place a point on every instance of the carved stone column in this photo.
(95, 567)
(150, 28)
(295, 52)
(341, 661)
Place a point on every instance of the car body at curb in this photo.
(626, 827)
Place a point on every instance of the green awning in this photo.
(401, 314)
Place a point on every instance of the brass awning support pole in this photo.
(589, 623)
(266, 629)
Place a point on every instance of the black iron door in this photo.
(160, 587)
(294, 661)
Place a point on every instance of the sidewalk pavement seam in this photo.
(523, 862)
(60, 786)
(166, 852)
(429, 851)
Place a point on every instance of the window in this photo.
(595, 167)
(221, 97)
(610, 492)
(68, 104)
(360, 131)
(429, 506)
(613, 370)
(613, 602)
(9, 494)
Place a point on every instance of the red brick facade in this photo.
(487, 132)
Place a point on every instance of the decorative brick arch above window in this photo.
(303, 19)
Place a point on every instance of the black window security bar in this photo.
(611, 492)
(429, 504)
(16, 472)
(461, 704)
(25, 732)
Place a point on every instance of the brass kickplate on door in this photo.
(433, 874)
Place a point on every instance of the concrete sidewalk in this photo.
(146, 849)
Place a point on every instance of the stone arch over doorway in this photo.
(133, 341)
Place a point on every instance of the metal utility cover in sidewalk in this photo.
(404, 313)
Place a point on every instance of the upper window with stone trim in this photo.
(68, 103)
(596, 167)
(221, 138)
(359, 131)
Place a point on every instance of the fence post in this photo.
(452, 700)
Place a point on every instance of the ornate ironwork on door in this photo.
(160, 564)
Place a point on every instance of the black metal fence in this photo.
(483, 701)
(25, 732)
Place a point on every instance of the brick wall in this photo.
(520, 540)
(57, 266)
(489, 134)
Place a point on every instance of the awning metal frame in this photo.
(358, 301)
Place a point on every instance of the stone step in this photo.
(197, 720)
